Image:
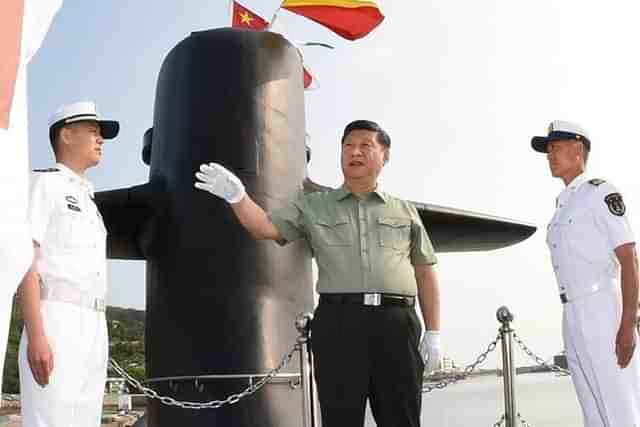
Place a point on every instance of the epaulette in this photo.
(596, 181)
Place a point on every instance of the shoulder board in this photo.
(47, 170)
(597, 181)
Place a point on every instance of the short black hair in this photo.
(54, 135)
(382, 135)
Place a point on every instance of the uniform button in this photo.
(555, 267)
(570, 221)
(553, 246)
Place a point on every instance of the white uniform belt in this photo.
(566, 297)
(71, 296)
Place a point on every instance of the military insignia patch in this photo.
(73, 208)
(47, 170)
(615, 204)
(597, 181)
(71, 199)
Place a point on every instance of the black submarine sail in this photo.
(219, 302)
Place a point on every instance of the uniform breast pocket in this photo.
(583, 237)
(333, 232)
(394, 233)
(78, 232)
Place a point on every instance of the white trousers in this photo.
(74, 395)
(609, 396)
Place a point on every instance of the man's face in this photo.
(362, 155)
(564, 156)
(85, 142)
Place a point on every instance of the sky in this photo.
(460, 86)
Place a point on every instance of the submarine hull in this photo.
(218, 301)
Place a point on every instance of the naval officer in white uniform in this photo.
(594, 258)
(64, 347)
(23, 26)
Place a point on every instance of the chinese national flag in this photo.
(351, 19)
(244, 18)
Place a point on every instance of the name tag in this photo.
(73, 207)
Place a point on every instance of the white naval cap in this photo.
(81, 112)
(561, 130)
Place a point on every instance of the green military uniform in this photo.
(363, 246)
(360, 245)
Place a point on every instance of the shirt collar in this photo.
(74, 177)
(570, 189)
(577, 182)
(343, 192)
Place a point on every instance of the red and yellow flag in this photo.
(244, 18)
(352, 19)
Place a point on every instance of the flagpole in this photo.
(275, 15)
(231, 11)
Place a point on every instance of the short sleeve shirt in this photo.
(67, 225)
(589, 223)
(360, 245)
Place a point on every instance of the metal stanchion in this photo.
(508, 368)
(310, 410)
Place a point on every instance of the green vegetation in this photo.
(126, 344)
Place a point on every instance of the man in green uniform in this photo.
(374, 257)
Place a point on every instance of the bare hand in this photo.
(40, 359)
(625, 345)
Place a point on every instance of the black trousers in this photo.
(364, 352)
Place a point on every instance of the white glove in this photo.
(430, 350)
(220, 182)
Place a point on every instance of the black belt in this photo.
(371, 299)
(563, 298)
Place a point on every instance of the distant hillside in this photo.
(125, 314)
(126, 343)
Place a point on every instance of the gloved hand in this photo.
(430, 350)
(220, 182)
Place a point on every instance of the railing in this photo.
(306, 381)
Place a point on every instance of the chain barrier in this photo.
(523, 421)
(539, 360)
(481, 358)
(500, 421)
(254, 387)
(214, 404)
(467, 370)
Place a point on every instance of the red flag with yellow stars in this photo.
(351, 19)
(244, 18)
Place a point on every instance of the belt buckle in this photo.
(98, 304)
(373, 299)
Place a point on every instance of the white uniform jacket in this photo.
(67, 225)
(590, 222)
